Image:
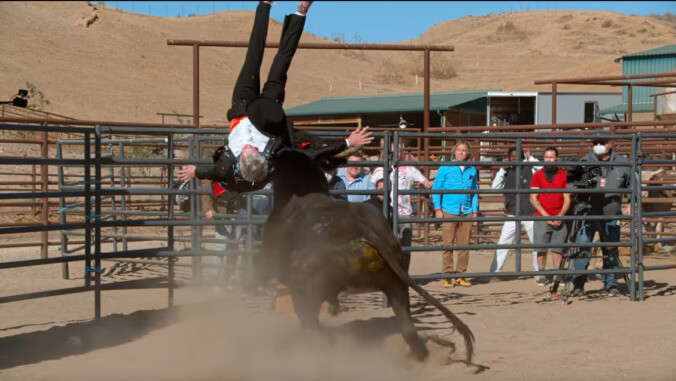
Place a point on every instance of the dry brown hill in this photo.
(94, 62)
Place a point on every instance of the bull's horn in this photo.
(348, 152)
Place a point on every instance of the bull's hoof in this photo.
(420, 355)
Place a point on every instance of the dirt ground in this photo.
(219, 333)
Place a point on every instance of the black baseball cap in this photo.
(601, 137)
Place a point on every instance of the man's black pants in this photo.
(247, 87)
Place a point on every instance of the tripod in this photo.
(572, 253)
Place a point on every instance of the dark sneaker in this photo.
(613, 292)
(577, 292)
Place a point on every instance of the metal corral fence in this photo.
(100, 218)
(634, 242)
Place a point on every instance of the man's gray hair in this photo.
(253, 166)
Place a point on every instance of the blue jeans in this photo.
(260, 204)
(611, 231)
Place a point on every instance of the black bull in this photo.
(318, 247)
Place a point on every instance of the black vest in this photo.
(510, 198)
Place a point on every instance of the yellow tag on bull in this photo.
(369, 259)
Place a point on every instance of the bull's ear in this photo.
(348, 152)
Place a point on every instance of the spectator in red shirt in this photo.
(552, 231)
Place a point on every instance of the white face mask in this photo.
(600, 149)
(328, 176)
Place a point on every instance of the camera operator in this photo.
(606, 204)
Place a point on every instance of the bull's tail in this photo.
(384, 241)
(459, 325)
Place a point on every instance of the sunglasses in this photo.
(595, 142)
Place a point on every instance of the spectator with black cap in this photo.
(605, 204)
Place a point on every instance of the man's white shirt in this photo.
(499, 180)
(244, 132)
(407, 177)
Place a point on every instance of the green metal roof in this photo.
(622, 108)
(661, 51)
(385, 103)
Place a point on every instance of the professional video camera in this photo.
(584, 177)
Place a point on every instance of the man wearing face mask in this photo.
(606, 204)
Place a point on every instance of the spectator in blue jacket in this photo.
(456, 205)
(355, 179)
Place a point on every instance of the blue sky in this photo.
(386, 21)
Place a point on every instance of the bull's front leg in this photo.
(334, 304)
(306, 304)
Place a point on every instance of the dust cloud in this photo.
(231, 339)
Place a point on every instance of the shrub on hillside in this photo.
(390, 72)
(507, 27)
(440, 68)
(37, 101)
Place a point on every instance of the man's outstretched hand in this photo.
(187, 172)
(360, 137)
